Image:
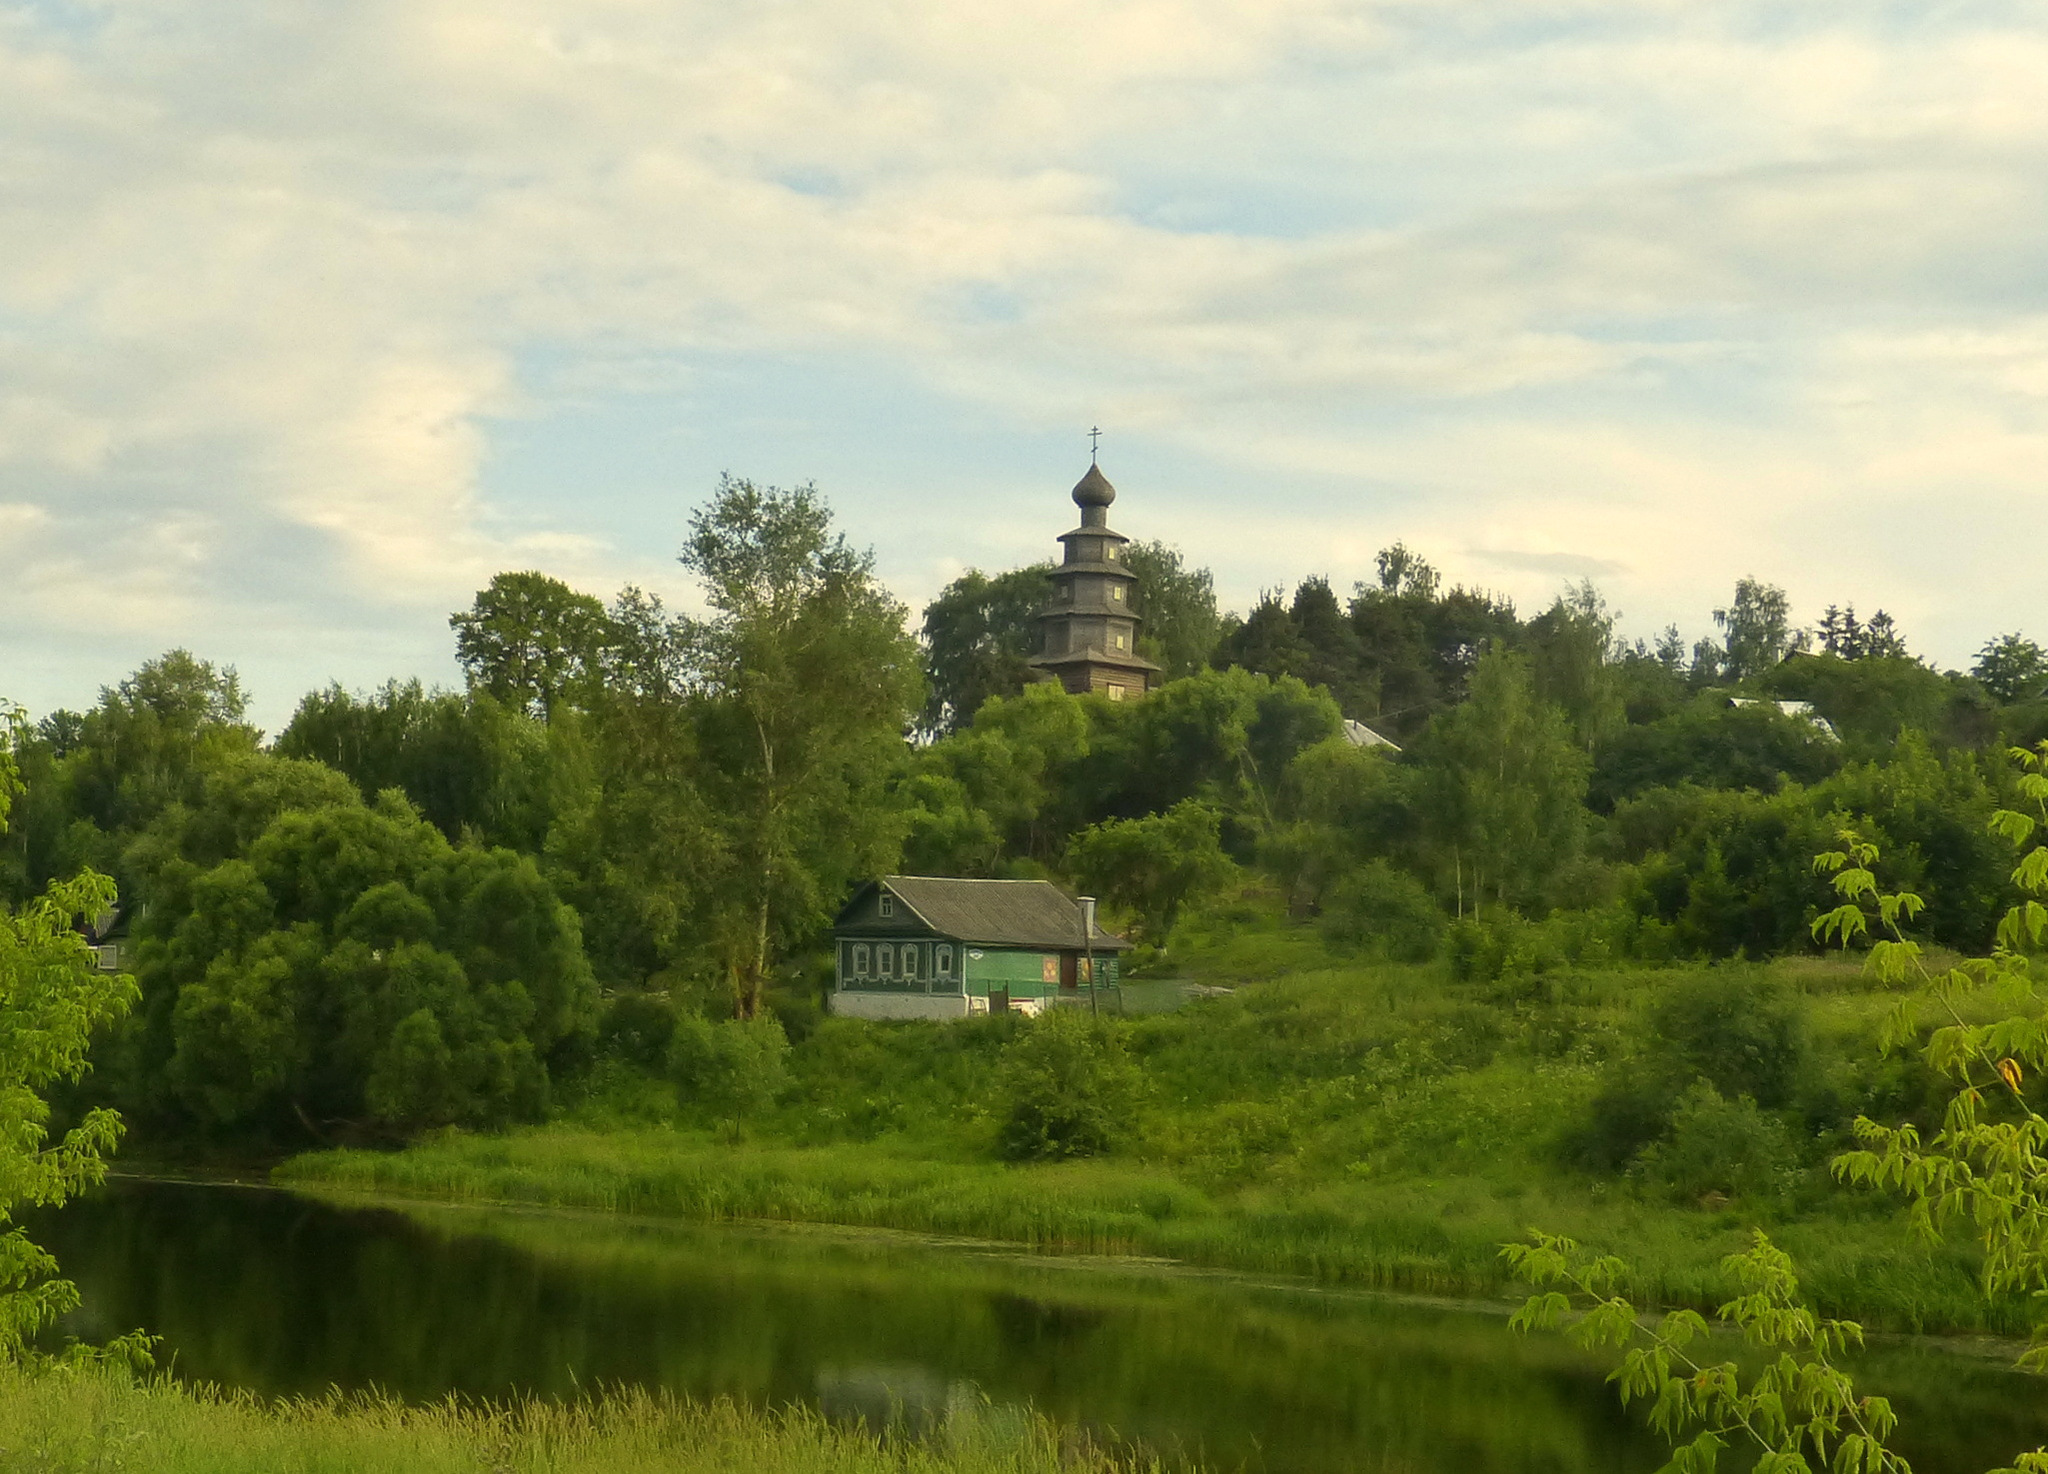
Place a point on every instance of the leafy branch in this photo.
(1797, 1402)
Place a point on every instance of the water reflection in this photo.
(285, 1294)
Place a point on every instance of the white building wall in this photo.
(852, 1003)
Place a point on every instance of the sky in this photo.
(313, 316)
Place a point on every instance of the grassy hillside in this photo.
(1364, 1122)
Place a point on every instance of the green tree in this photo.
(473, 764)
(1506, 805)
(1339, 807)
(52, 999)
(1155, 866)
(980, 633)
(2012, 668)
(808, 683)
(352, 974)
(1756, 630)
(1418, 644)
(142, 751)
(1068, 1088)
(1570, 648)
(532, 642)
(1179, 607)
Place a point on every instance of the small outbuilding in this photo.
(924, 946)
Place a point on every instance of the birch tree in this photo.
(806, 682)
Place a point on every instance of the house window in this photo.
(887, 956)
(944, 966)
(909, 963)
(862, 959)
(888, 904)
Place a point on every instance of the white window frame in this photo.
(885, 961)
(888, 904)
(907, 962)
(863, 959)
(942, 965)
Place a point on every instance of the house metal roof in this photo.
(998, 913)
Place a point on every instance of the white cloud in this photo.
(1651, 288)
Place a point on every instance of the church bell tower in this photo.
(1089, 629)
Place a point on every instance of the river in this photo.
(284, 1293)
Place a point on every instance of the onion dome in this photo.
(1094, 490)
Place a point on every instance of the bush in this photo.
(1718, 1145)
(731, 1070)
(1384, 912)
(635, 1029)
(1742, 1037)
(1068, 1088)
(1741, 1033)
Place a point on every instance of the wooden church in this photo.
(1089, 628)
(925, 946)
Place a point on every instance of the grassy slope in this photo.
(1377, 1125)
(89, 1421)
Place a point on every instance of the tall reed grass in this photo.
(89, 1422)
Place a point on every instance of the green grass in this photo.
(63, 1421)
(1368, 1124)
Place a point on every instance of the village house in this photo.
(932, 947)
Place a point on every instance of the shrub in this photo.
(731, 1070)
(1385, 912)
(1718, 1145)
(1743, 1034)
(635, 1029)
(1739, 1035)
(1068, 1088)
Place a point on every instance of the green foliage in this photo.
(1873, 700)
(1570, 645)
(1068, 1089)
(1178, 606)
(980, 633)
(1401, 652)
(1796, 1402)
(1720, 1146)
(1505, 806)
(1756, 630)
(354, 971)
(1155, 866)
(1734, 1034)
(533, 643)
(52, 1000)
(1383, 912)
(474, 765)
(731, 1069)
(2012, 668)
(1710, 744)
(806, 683)
(1987, 1164)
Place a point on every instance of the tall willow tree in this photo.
(807, 681)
